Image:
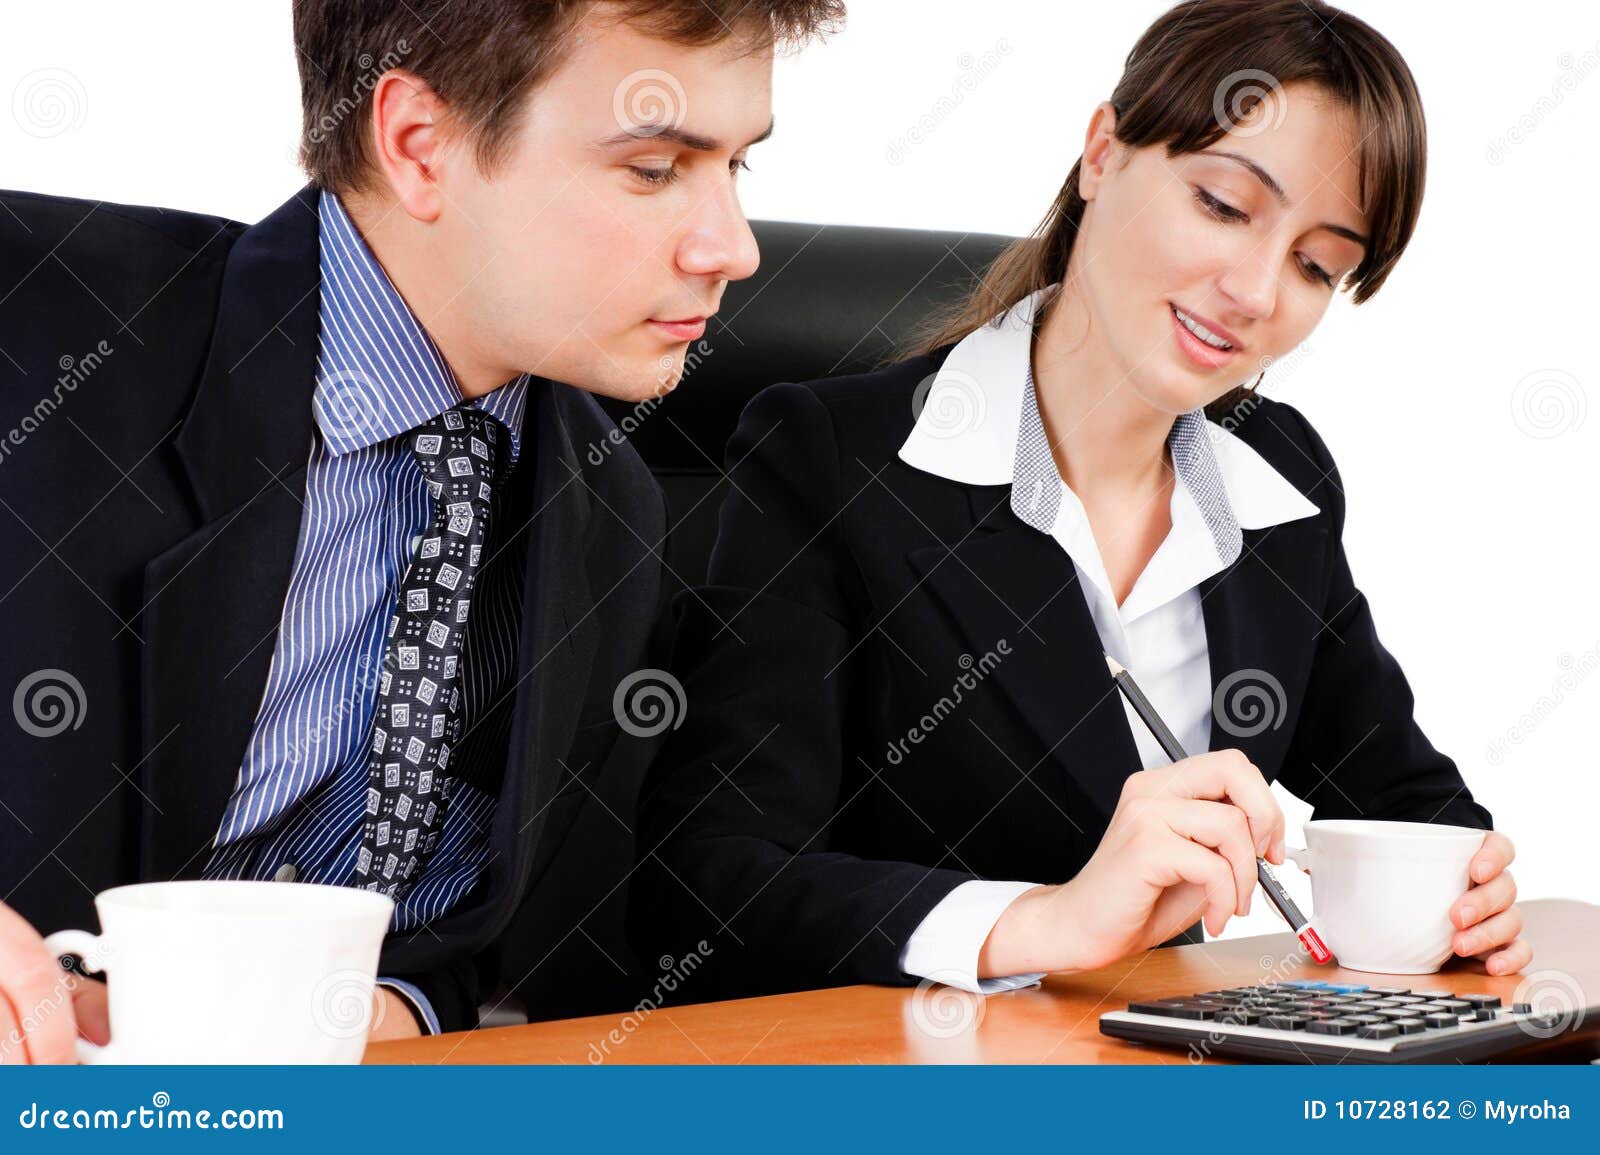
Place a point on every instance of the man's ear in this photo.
(1100, 149)
(409, 137)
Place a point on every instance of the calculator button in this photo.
(1456, 1005)
(1378, 1031)
(1482, 1000)
(1409, 1026)
(1239, 1016)
(1440, 1019)
(1408, 999)
(1522, 1008)
(1333, 1027)
(1360, 1008)
(1366, 1020)
(1394, 1015)
(1175, 1009)
(1479, 1015)
(1435, 994)
(1348, 988)
(1285, 1022)
(1388, 990)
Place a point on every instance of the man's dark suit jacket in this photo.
(826, 789)
(152, 499)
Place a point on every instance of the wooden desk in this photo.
(1055, 1023)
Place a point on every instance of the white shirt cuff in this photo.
(946, 944)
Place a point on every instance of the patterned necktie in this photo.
(418, 719)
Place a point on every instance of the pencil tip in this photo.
(1114, 666)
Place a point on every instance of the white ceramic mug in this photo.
(233, 972)
(1381, 892)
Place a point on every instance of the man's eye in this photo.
(655, 177)
(1218, 208)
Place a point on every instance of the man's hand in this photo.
(392, 1017)
(1487, 917)
(42, 1005)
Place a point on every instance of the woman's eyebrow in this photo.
(1271, 184)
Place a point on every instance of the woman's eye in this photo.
(655, 177)
(1218, 208)
(1316, 272)
(737, 165)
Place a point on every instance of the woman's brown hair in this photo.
(1198, 71)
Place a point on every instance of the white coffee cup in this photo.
(1381, 892)
(233, 972)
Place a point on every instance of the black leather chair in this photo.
(827, 300)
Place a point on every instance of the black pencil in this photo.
(1174, 750)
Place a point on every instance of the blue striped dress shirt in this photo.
(297, 808)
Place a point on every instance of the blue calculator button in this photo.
(1347, 988)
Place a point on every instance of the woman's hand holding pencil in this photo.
(1183, 840)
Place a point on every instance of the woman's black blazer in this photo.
(833, 776)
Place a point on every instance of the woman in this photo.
(903, 755)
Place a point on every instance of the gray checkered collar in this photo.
(978, 422)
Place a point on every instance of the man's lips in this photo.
(683, 328)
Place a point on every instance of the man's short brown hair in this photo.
(481, 57)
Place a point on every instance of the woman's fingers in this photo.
(1516, 955)
(91, 1009)
(32, 981)
(1184, 860)
(1229, 775)
(1492, 857)
(1224, 828)
(1495, 931)
(1483, 901)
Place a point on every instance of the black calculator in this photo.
(1321, 1022)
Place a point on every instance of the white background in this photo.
(1457, 402)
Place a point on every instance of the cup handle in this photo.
(1300, 856)
(87, 947)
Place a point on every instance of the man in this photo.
(253, 475)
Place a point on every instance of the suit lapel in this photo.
(559, 633)
(1006, 580)
(1261, 633)
(213, 601)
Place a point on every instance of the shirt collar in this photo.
(979, 424)
(379, 374)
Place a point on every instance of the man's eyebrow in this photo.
(1276, 189)
(674, 135)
